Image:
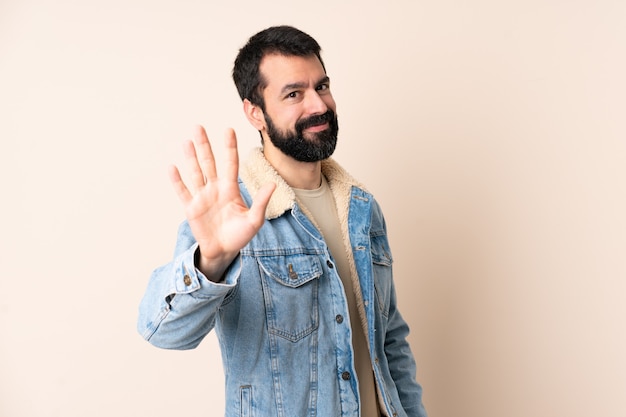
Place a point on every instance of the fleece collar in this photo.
(257, 172)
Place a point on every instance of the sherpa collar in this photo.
(257, 172)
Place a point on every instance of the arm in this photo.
(401, 362)
(179, 306)
(398, 355)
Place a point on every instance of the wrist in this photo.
(213, 269)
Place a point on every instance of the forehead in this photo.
(280, 70)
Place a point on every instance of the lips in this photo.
(317, 128)
(316, 123)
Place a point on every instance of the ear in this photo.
(254, 114)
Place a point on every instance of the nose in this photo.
(315, 104)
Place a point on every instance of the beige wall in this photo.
(492, 132)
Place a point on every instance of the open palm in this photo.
(219, 219)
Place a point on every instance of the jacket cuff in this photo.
(189, 279)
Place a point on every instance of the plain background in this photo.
(492, 132)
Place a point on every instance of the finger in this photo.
(179, 186)
(232, 156)
(259, 204)
(197, 179)
(205, 154)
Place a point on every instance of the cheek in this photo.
(285, 119)
(330, 103)
(291, 118)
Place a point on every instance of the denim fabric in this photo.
(278, 316)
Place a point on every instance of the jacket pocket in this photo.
(290, 291)
(246, 401)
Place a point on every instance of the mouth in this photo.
(317, 128)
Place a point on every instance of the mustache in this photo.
(315, 120)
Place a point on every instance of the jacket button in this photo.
(187, 280)
(339, 318)
(292, 274)
(330, 264)
(345, 376)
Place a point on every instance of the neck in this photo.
(302, 175)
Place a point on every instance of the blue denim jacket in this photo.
(278, 313)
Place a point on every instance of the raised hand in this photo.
(220, 220)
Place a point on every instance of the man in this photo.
(297, 283)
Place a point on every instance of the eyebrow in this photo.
(296, 86)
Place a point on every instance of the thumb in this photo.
(260, 202)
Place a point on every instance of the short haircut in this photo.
(281, 40)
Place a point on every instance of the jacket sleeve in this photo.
(401, 362)
(180, 304)
(400, 379)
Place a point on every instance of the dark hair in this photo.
(282, 40)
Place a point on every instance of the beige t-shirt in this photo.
(321, 205)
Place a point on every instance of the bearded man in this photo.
(297, 283)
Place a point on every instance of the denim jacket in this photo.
(281, 314)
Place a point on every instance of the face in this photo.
(300, 118)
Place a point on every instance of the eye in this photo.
(292, 94)
(323, 87)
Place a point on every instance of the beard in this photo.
(293, 143)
